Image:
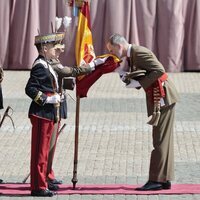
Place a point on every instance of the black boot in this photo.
(52, 186)
(42, 193)
(55, 181)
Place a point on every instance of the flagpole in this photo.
(79, 4)
(74, 179)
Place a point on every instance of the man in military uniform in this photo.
(62, 72)
(43, 88)
(161, 97)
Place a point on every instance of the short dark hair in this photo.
(39, 47)
(117, 39)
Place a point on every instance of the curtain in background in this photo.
(170, 28)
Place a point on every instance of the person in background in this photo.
(62, 72)
(161, 97)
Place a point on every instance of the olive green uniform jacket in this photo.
(143, 58)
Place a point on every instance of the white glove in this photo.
(67, 21)
(99, 61)
(123, 77)
(92, 65)
(133, 84)
(83, 63)
(58, 23)
(53, 99)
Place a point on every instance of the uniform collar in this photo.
(129, 51)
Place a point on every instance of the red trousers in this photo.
(42, 130)
(53, 142)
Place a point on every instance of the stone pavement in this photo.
(115, 141)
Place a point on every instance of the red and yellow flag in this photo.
(84, 84)
(84, 44)
(85, 54)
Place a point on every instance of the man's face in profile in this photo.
(115, 49)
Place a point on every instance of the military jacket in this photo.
(143, 58)
(42, 83)
(62, 72)
(45, 79)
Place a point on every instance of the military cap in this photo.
(136, 74)
(49, 38)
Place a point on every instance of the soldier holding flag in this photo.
(63, 72)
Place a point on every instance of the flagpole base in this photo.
(74, 181)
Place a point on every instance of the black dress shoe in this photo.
(53, 187)
(42, 193)
(166, 185)
(1, 181)
(55, 181)
(153, 185)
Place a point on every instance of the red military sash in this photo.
(156, 90)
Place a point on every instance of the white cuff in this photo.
(133, 84)
(162, 102)
(92, 65)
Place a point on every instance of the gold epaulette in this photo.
(40, 98)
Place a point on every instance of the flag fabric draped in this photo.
(85, 54)
(83, 85)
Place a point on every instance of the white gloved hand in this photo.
(92, 65)
(53, 99)
(62, 97)
(58, 23)
(67, 21)
(97, 62)
(100, 61)
(133, 84)
(123, 77)
(83, 63)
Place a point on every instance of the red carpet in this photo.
(24, 189)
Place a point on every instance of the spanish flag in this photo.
(111, 63)
(84, 44)
(85, 54)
